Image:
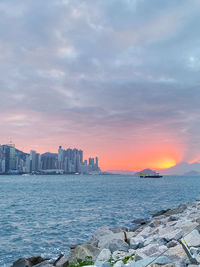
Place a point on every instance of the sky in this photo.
(118, 79)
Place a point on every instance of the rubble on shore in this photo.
(151, 243)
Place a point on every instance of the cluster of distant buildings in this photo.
(14, 161)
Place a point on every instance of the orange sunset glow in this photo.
(153, 157)
(120, 87)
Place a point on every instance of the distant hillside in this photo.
(146, 171)
(182, 168)
(192, 173)
(125, 172)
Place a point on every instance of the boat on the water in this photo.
(154, 175)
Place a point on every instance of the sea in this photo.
(45, 215)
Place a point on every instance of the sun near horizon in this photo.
(161, 164)
(153, 156)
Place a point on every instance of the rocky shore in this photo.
(148, 243)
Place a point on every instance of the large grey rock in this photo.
(104, 255)
(21, 263)
(118, 229)
(168, 234)
(193, 239)
(103, 231)
(152, 250)
(129, 235)
(172, 244)
(173, 218)
(186, 225)
(119, 264)
(43, 264)
(35, 260)
(135, 228)
(137, 242)
(142, 263)
(100, 234)
(145, 232)
(181, 208)
(92, 241)
(167, 265)
(82, 251)
(62, 261)
(116, 244)
(161, 212)
(140, 221)
(102, 264)
(139, 255)
(109, 238)
(155, 223)
(120, 254)
(162, 260)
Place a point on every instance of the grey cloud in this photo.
(93, 64)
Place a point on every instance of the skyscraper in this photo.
(12, 161)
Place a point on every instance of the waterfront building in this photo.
(49, 161)
(67, 160)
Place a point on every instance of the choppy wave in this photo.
(44, 215)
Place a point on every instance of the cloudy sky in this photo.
(116, 78)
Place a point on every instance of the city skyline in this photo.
(118, 77)
(65, 161)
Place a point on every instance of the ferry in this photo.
(154, 175)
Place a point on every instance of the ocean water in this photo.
(44, 215)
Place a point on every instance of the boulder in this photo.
(22, 263)
(104, 255)
(82, 251)
(151, 240)
(118, 229)
(186, 225)
(170, 234)
(193, 239)
(145, 232)
(92, 241)
(181, 208)
(162, 260)
(116, 244)
(198, 220)
(137, 242)
(139, 255)
(158, 265)
(155, 223)
(119, 264)
(142, 263)
(176, 252)
(103, 231)
(120, 255)
(43, 264)
(129, 235)
(35, 260)
(105, 239)
(102, 264)
(134, 229)
(173, 218)
(161, 212)
(172, 244)
(62, 261)
(140, 221)
(152, 250)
